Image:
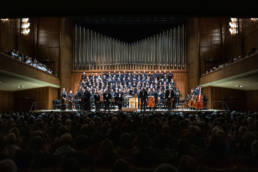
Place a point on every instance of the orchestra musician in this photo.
(70, 100)
(63, 99)
(177, 97)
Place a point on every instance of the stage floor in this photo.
(134, 110)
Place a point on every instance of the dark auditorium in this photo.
(100, 90)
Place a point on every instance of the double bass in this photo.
(199, 101)
(191, 102)
(151, 102)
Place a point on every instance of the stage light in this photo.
(4, 19)
(233, 26)
(25, 31)
(240, 86)
(234, 19)
(25, 26)
(25, 20)
(232, 31)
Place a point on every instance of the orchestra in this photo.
(196, 99)
(107, 90)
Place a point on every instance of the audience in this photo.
(123, 141)
(235, 59)
(30, 61)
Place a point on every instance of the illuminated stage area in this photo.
(185, 110)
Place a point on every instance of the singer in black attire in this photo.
(86, 100)
(143, 96)
(119, 99)
(97, 101)
(107, 96)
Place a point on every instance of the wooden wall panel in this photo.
(43, 42)
(6, 101)
(250, 36)
(53, 95)
(252, 100)
(25, 98)
(220, 98)
(8, 35)
(207, 92)
(193, 53)
(66, 53)
(43, 97)
(218, 45)
(48, 41)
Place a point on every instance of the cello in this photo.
(199, 101)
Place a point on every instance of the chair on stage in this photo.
(57, 104)
(77, 104)
(181, 104)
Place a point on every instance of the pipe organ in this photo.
(164, 51)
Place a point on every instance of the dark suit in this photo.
(143, 96)
(97, 101)
(107, 96)
(86, 100)
(119, 100)
(169, 95)
(70, 101)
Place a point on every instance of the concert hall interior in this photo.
(128, 92)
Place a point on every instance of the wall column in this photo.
(66, 53)
(193, 55)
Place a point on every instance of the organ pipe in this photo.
(165, 50)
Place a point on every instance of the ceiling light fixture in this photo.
(4, 19)
(233, 26)
(239, 86)
(25, 26)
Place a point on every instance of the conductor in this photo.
(143, 96)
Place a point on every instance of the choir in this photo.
(154, 90)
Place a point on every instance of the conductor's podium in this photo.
(133, 103)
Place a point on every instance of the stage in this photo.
(184, 110)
